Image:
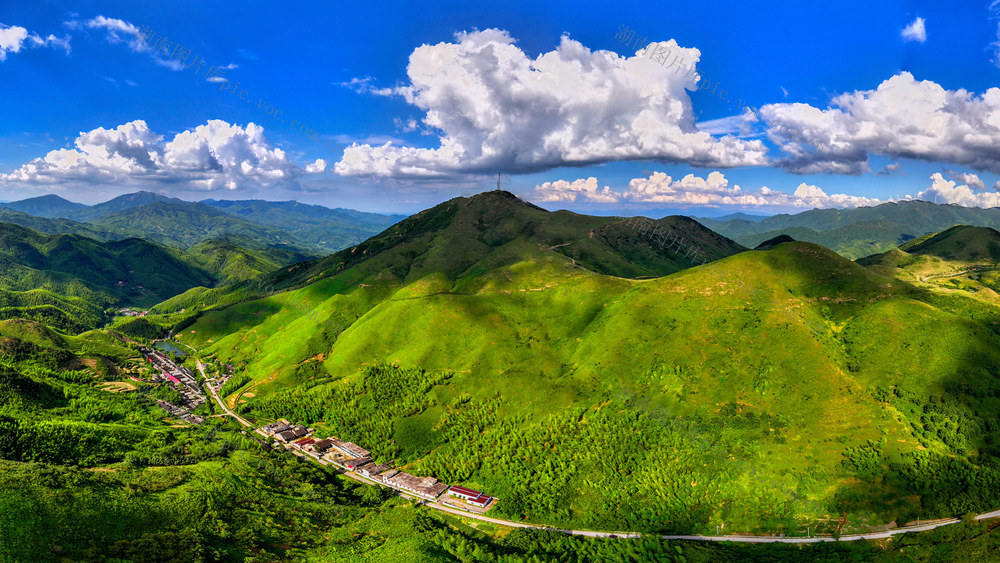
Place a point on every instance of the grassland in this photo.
(91, 475)
(779, 359)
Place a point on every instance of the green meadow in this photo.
(804, 375)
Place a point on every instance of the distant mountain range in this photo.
(856, 232)
(309, 230)
(322, 227)
(63, 262)
(51, 206)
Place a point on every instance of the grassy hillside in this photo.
(960, 243)
(807, 385)
(230, 263)
(94, 474)
(93, 471)
(464, 236)
(962, 260)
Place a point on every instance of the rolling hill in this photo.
(861, 231)
(184, 224)
(55, 226)
(464, 235)
(131, 270)
(282, 229)
(959, 243)
(50, 206)
(323, 228)
(519, 351)
(230, 263)
(962, 260)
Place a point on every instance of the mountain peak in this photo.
(50, 206)
(772, 242)
(961, 242)
(492, 230)
(499, 196)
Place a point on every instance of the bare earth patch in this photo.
(116, 386)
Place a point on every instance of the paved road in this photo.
(628, 535)
(241, 420)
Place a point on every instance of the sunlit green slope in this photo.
(817, 387)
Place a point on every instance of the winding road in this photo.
(963, 272)
(631, 535)
(240, 419)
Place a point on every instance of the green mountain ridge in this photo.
(961, 242)
(453, 237)
(858, 232)
(67, 279)
(50, 206)
(799, 366)
(56, 226)
(286, 229)
(183, 225)
(321, 227)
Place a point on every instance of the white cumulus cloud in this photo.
(949, 191)
(971, 180)
(212, 156)
(14, 38)
(711, 191)
(583, 189)
(915, 31)
(495, 108)
(902, 118)
(317, 167)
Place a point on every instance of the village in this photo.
(179, 379)
(300, 440)
(352, 457)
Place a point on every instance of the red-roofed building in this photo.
(470, 496)
(301, 443)
(480, 501)
(464, 492)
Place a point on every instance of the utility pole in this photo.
(498, 180)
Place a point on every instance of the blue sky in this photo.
(852, 111)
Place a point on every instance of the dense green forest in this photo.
(94, 475)
(510, 377)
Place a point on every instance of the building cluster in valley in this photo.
(216, 383)
(181, 380)
(130, 312)
(355, 458)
